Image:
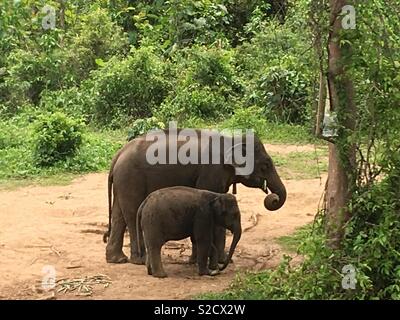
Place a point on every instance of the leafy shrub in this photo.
(95, 153)
(95, 38)
(57, 137)
(200, 22)
(16, 154)
(71, 101)
(142, 126)
(194, 101)
(247, 118)
(207, 87)
(211, 67)
(57, 59)
(127, 88)
(283, 95)
(28, 74)
(274, 76)
(18, 158)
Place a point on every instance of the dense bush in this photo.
(57, 137)
(276, 79)
(283, 95)
(128, 88)
(142, 126)
(18, 141)
(27, 74)
(56, 60)
(71, 101)
(370, 246)
(207, 87)
(94, 39)
(194, 101)
(247, 118)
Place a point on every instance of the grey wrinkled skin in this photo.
(180, 212)
(132, 179)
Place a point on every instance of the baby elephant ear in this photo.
(218, 204)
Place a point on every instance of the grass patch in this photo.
(301, 165)
(260, 285)
(19, 168)
(292, 241)
(290, 134)
(56, 179)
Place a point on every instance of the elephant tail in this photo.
(139, 227)
(106, 234)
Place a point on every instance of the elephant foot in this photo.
(222, 258)
(160, 274)
(137, 260)
(209, 272)
(214, 272)
(213, 266)
(192, 260)
(116, 258)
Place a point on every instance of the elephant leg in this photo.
(114, 253)
(202, 258)
(129, 209)
(193, 257)
(213, 263)
(136, 257)
(203, 251)
(154, 256)
(148, 265)
(219, 241)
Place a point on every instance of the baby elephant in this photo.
(179, 212)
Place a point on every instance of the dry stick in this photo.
(74, 267)
(255, 218)
(54, 249)
(174, 246)
(83, 285)
(316, 157)
(37, 246)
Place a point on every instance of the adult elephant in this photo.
(132, 177)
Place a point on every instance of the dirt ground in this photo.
(62, 226)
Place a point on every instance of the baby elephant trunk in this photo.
(237, 233)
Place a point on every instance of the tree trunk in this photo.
(62, 14)
(321, 103)
(341, 154)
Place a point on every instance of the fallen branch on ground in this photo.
(83, 286)
(254, 218)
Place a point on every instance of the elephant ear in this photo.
(229, 157)
(218, 206)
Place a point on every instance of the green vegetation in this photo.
(57, 137)
(108, 66)
(301, 165)
(370, 245)
(33, 146)
(70, 96)
(293, 241)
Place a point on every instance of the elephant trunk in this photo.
(277, 197)
(237, 233)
